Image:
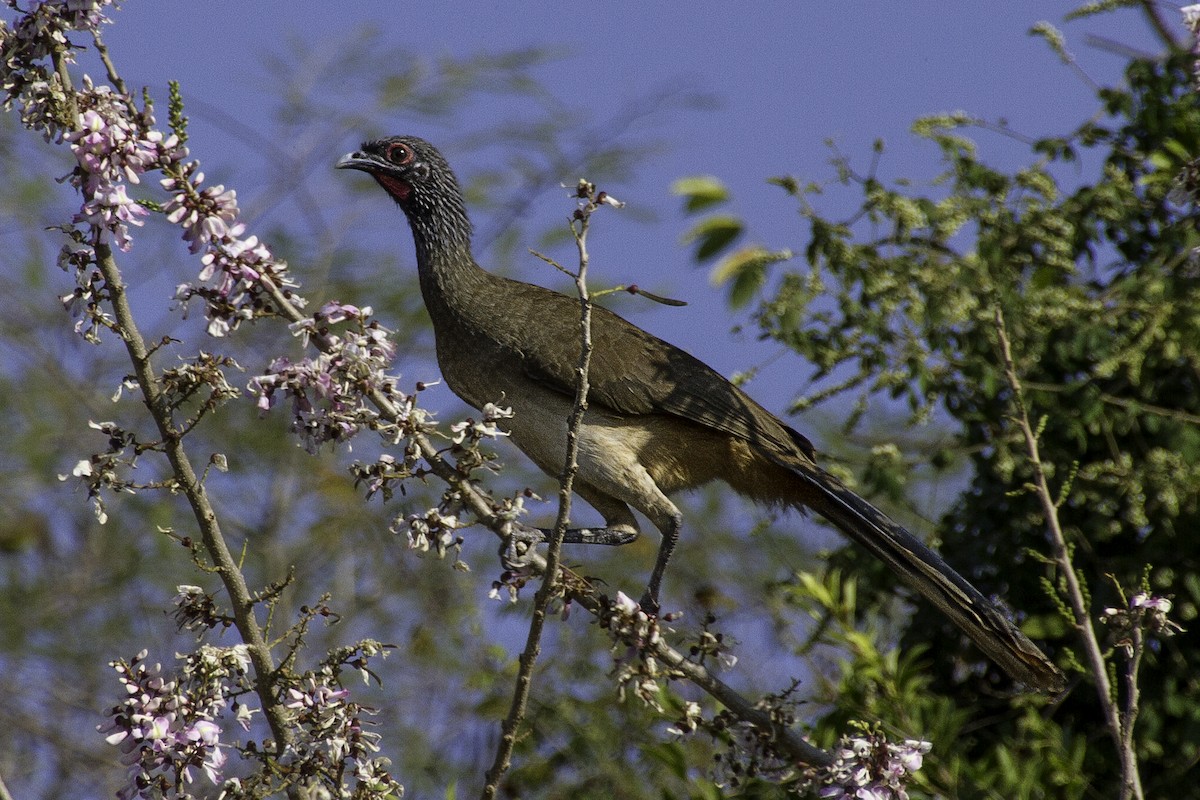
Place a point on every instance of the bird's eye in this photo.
(399, 153)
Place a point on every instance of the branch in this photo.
(1130, 713)
(1134, 405)
(550, 586)
(226, 566)
(1122, 739)
(241, 601)
(1165, 32)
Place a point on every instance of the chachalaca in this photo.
(659, 421)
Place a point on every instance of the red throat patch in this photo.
(395, 187)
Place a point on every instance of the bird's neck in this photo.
(448, 272)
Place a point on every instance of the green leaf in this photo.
(746, 269)
(713, 235)
(671, 756)
(700, 191)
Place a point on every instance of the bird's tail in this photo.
(926, 572)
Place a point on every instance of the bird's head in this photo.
(419, 179)
(409, 169)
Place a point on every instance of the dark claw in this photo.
(649, 604)
(516, 549)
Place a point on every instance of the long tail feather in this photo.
(926, 572)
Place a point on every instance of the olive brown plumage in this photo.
(659, 420)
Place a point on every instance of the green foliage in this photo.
(744, 269)
(1033, 758)
(700, 192)
(1097, 277)
(713, 234)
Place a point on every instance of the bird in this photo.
(659, 421)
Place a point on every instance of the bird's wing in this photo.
(633, 372)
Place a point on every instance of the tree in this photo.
(1045, 317)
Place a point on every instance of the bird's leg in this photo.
(669, 526)
(620, 525)
(643, 494)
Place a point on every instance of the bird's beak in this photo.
(358, 160)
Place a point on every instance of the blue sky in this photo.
(788, 75)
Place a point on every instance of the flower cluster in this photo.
(1191, 18)
(114, 145)
(1143, 612)
(473, 432)
(168, 728)
(211, 214)
(712, 646)
(203, 373)
(196, 610)
(434, 528)
(105, 471)
(234, 269)
(751, 750)
(84, 301)
(634, 633)
(328, 390)
(690, 719)
(388, 472)
(469, 434)
(24, 49)
(82, 15)
(110, 145)
(869, 767)
(334, 742)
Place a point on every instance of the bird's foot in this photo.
(649, 603)
(517, 547)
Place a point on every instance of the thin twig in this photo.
(1122, 739)
(1138, 406)
(1164, 31)
(1132, 697)
(113, 76)
(549, 587)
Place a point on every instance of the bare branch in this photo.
(1122, 738)
(550, 586)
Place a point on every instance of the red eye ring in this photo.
(399, 153)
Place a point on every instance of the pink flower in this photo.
(110, 210)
